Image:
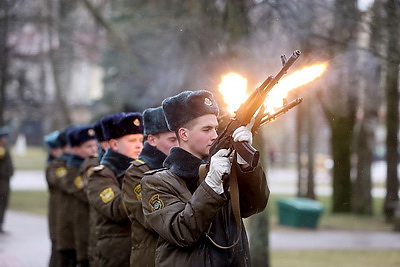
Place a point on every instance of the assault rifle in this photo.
(253, 107)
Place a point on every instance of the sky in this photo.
(363, 4)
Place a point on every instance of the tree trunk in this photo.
(61, 61)
(259, 223)
(362, 198)
(342, 130)
(4, 7)
(299, 151)
(259, 239)
(310, 150)
(392, 115)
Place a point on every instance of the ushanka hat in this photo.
(98, 131)
(154, 121)
(122, 124)
(188, 105)
(52, 140)
(79, 134)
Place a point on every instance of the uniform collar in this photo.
(117, 162)
(184, 164)
(153, 157)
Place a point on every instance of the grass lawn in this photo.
(334, 258)
(29, 201)
(33, 159)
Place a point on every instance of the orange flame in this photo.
(299, 78)
(233, 87)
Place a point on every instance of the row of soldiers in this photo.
(127, 190)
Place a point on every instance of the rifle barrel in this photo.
(281, 111)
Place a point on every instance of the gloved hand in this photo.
(243, 134)
(219, 165)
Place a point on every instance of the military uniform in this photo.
(144, 239)
(64, 219)
(74, 185)
(188, 214)
(87, 169)
(6, 171)
(112, 224)
(199, 222)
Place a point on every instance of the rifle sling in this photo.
(234, 190)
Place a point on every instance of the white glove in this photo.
(219, 165)
(243, 134)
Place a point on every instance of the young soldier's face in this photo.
(56, 152)
(88, 148)
(163, 141)
(129, 145)
(199, 135)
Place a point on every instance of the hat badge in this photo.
(91, 132)
(207, 101)
(136, 122)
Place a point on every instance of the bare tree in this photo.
(370, 100)
(339, 99)
(392, 9)
(4, 54)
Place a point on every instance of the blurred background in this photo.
(72, 61)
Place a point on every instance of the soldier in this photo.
(159, 142)
(6, 171)
(194, 217)
(66, 254)
(83, 145)
(54, 147)
(125, 135)
(87, 168)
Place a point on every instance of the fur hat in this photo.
(121, 124)
(154, 121)
(62, 137)
(188, 105)
(52, 141)
(78, 135)
(98, 131)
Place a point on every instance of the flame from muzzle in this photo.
(233, 87)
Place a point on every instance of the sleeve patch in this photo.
(78, 182)
(138, 192)
(107, 195)
(61, 172)
(156, 203)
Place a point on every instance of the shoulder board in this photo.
(98, 168)
(154, 171)
(138, 163)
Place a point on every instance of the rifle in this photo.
(254, 105)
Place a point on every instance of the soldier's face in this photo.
(199, 135)
(129, 145)
(163, 141)
(89, 148)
